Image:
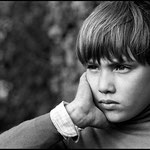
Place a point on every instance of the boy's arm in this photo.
(35, 133)
(40, 132)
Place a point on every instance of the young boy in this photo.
(112, 105)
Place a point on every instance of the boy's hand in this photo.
(82, 109)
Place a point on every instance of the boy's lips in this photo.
(108, 104)
(108, 101)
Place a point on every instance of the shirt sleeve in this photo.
(63, 123)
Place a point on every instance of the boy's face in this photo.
(121, 91)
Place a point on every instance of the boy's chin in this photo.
(115, 118)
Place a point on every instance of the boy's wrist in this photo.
(75, 113)
(63, 122)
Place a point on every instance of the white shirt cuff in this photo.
(63, 122)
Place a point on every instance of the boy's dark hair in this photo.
(116, 29)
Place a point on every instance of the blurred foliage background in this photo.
(38, 63)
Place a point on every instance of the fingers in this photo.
(84, 90)
(83, 77)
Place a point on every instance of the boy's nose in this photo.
(106, 83)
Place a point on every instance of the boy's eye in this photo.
(121, 68)
(92, 67)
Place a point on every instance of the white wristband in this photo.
(63, 122)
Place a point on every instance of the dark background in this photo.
(38, 63)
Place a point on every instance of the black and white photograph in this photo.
(74, 74)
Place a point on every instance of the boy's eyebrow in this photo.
(114, 62)
(92, 62)
(120, 63)
(125, 63)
